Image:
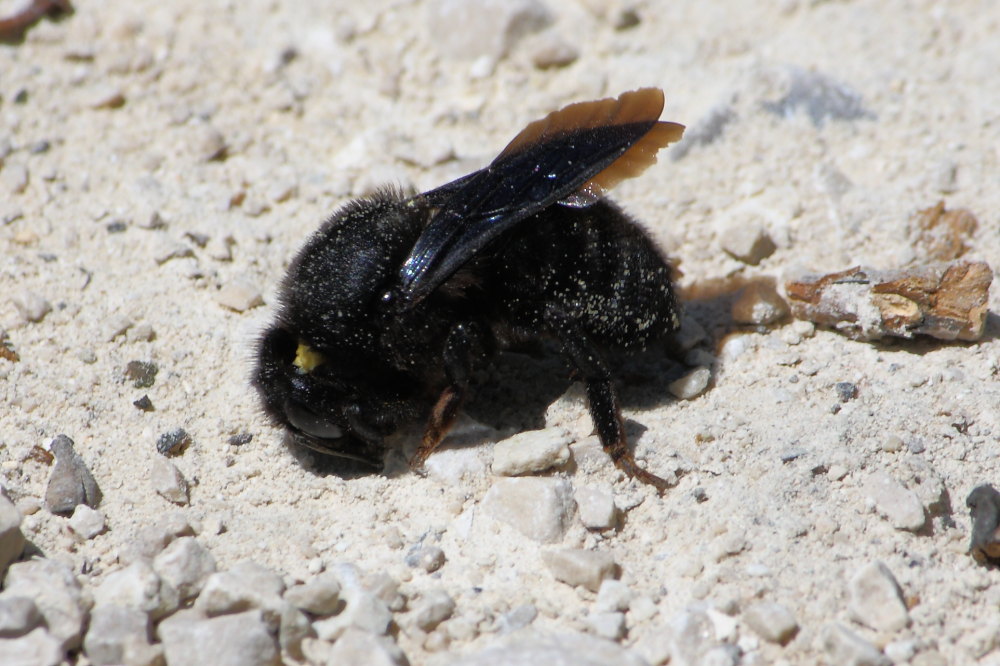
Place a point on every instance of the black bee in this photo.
(395, 300)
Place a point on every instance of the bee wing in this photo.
(572, 156)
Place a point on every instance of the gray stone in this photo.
(115, 632)
(532, 451)
(55, 591)
(609, 625)
(71, 483)
(295, 627)
(773, 622)
(12, 540)
(428, 558)
(18, 616)
(86, 522)
(517, 618)
(36, 648)
(167, 481)
(152, 539)
(138, 586)
(319, 596)
(586, 568)
(538, 508)
(240, 639)
(433, 608)
(568, 649)
(474, 28)
(185, 564)
(900, 506)
(843, 646)
(877, 600)
(596, 507)
(246, 586)
(357, 646)
(691, 385)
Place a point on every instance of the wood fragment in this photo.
(14, 27)
(947, 301)
(942, 234)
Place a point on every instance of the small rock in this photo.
(117, 635)
(984, 510)
(759, 305)
(144, 404)
(433, 608)
(518, 618)
(691, 385)
(173, 443)
(31, 306)
(538, 508)
(902, 507)
(241, 639)
(57, 594)
(577, 567)
(901, 651)
(14, 178)
(428, 558)
(357, 646)
(141, 333)
(294, 628)
(141, 373)
(641, 609)
(846, 391)
(168, 249)
(18, 616)
(607, 625)
(772, 622)
(239, 296)
(246, 586)
(877, 600)
(892, 444)
(37, 648)
(363, 610)
(748, 242)
(206, 143)
(117, 325)
(554, 52)
(12, 540)
(86, 522)
(613, 596)
(843, 646)
(107, 97)
(596, 507)
(71, 483)
(319, 596)
(532, 451)
(168, 482)
(689, 334)
(185, 564)
(137, 586)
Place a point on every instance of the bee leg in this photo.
(459, 349)
(601, 394)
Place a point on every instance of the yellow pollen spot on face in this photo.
(306, 359)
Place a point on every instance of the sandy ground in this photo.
(118, 210)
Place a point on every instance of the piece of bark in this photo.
(947, 301)
(984, 509)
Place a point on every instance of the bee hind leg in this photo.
(605, 409)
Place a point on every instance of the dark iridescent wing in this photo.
(572, 156)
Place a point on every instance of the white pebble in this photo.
(31, 306)
(580, 568)
(596, 507)
(12, 540)
(877, 600)
(893, 500)
(247, 585)
(532, 451)
(747, 241)
(691, 385)
(607, 625)
(189, 639)
(186, 565)
(843, 646)
(539, 508)
(57, 594)
(86, 522)
(239, 295)
(167, 481)
(357, 646)
(772, 622)
(117, 635)
(137, 586)
(319, 596)
(433, 608)
(18, 616)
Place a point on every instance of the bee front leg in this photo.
(460, 348)
(601, 395)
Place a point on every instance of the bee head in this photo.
(315, 398)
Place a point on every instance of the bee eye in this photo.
(307, 421)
